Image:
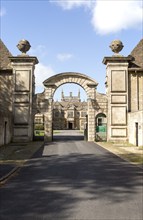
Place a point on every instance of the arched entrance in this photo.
(87, 83)
(101, 127)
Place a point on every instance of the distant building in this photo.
(69, 113)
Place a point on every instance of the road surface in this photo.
(70, 179)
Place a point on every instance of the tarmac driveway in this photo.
(72, 179)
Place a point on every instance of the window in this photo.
(56, 114)
(62, 114)
(38, 120)
(83, 114)
(70, 114)
(78, 113)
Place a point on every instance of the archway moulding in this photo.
(82, 80)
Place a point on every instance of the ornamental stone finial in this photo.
(116, 46)
(23, 46)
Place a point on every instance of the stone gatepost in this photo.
(117, 93)
(91, 113)
(48, 121)
(48, 115)
(23, 93)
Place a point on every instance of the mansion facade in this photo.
(71, 113)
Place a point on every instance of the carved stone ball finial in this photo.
(23, 46)
(116, 46)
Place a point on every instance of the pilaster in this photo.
(23, 93)
(48, 118)
(117, 93)
(91, 112)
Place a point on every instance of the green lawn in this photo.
(39, 133)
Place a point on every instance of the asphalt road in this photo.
(71, 179)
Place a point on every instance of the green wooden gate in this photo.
(101, 133)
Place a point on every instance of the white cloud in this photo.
(42, 72)
(40, 51)
(113, 16)
(2, 12)
(109, 16)
(70, 4)
(64, 56)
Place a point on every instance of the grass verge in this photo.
(18, 153)
(126, 151)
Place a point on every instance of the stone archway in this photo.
(87, 83)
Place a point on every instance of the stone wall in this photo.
(135, 127)
(135, 115)
(135, 91)
(101, 103)
(6, 115)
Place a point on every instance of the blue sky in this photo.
(71, 35)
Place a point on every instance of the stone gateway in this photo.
(121, 106)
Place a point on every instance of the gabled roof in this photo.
(57, 104)
(4, 56)
(137, 54)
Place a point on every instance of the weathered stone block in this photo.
(118, 81)
(118, 132)
(21, 114)
(20, 131)
(118, 99)
(21, 98)
(22, 80)
(118, 115)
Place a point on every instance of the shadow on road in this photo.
(53, 186)
(68, 135)
(67, 138)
